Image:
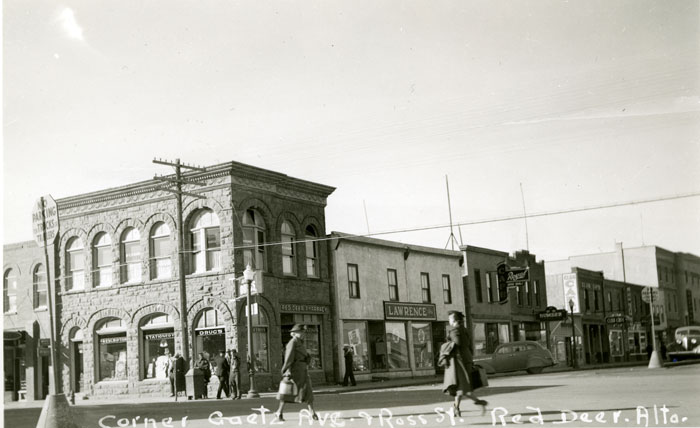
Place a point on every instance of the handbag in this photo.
(479, 378)
(287, 391)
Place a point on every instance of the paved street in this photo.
(608, 397)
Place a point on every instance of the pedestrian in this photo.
(234, 380)
(458, 371)
(203, 365)
(348, 356)
(176, 371)
(296, 360)
(222, 372)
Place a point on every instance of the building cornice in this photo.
(240, 174)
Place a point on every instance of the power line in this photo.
(485, 221)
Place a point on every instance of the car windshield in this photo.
(684, 332)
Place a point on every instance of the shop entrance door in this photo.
(439, 337)
(377, 345)
(77, 366)
(44, 380)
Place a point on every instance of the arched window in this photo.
(75, 264)
(158, 344)
(102, 260)
(288, 256)
(130, 255)
(205, 237)
(260, 340)
(9, 290)
(210, 333)
(254, 240)
(311, 252)
(40, 286)
(111, 349)
(159, 247)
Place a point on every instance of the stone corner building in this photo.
(116, 268)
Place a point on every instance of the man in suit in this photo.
(348, 356)
(222, 372)
(234, 379)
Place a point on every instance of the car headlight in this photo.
(693, 341)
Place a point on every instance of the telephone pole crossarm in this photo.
(175, 181)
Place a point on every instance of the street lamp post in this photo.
(249, 275)
(573, 334)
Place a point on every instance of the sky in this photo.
(579, 103)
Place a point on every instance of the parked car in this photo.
(686, 345)
(514, 356)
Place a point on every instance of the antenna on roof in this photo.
(366, 218)
(452, 238)
(527, 238)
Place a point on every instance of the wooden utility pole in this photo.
(178, 181)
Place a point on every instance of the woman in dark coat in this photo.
(296, 359)
(457, 381)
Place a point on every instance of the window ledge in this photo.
(155, 380)
(11, 313)
(41, 309)
(205, 274)
(112, 382)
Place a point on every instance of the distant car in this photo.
(514, 356)
(687, 344)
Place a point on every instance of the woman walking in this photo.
(296, 359)
(457, 381)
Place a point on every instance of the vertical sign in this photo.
(45, 210)
(570, 290)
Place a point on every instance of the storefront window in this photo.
(616, 349)
(479, 338)
(355, 335)
(158, 339)
(503, 333)
(260, 342)
(312, 337)
(111, 350)
(210, 333)
(396, 344)
(422, 345)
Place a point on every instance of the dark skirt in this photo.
(457, 381)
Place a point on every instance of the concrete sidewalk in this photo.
(330, 388)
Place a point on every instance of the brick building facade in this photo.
(26, 328)
(494, 322)
(116, 265)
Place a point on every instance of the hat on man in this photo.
(457, 314)
(297, 328)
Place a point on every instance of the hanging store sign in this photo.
(517, 275)
(300, 307)
(617, 318)
(571, 290)
(409, 311)
(210, 331)
(552, 314)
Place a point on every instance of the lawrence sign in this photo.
(409, 311)
(46, 211)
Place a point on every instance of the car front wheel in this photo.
(534, 370)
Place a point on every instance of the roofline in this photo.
(231, 168)
(16, 245)
(484, 250)
(342, 236)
